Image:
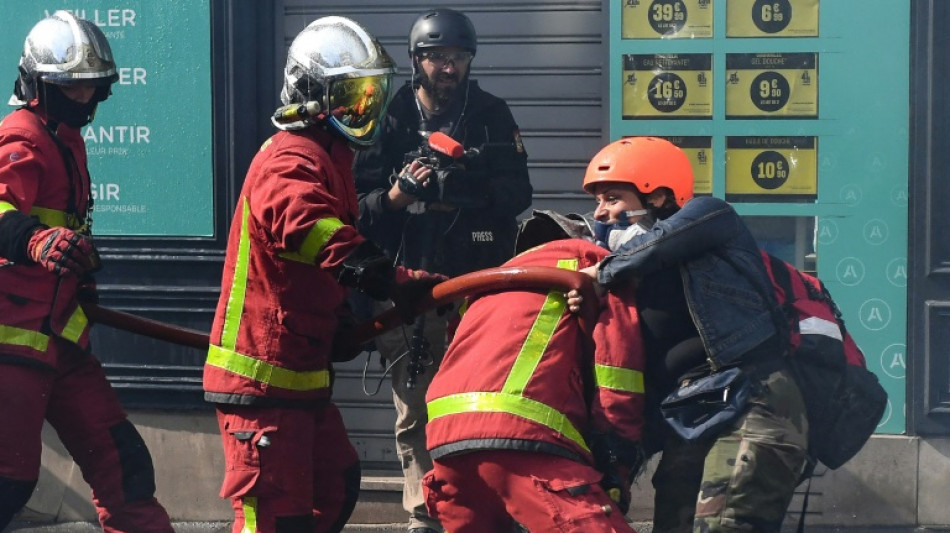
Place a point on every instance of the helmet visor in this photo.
(356, 105)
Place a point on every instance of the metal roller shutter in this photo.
(546, 59)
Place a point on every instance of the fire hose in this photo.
(475, 283)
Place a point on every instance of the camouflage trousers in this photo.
(744, 479)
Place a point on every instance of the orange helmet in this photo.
(647, 163)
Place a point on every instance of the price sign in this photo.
(772, 85)
(666, 19)
(772, 18)
(699, 151)
(771, 169)
(667, 86)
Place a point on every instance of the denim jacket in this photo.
(727, 288)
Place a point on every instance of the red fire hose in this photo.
(482, 281)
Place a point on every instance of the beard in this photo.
(443, 93)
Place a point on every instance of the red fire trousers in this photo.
(288, 470)
(488, 490)
(82, 407)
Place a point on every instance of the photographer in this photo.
(446, 221)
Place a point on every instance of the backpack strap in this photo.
(778, 271)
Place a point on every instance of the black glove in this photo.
(616, 488)
(344, 348)
(620, 461)
(16, 228)
(87, 292)
(368, 270)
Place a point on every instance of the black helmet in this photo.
(442, 27)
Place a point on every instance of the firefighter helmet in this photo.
(64, 50)
(337, 63)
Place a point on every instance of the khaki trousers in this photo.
(411, 415)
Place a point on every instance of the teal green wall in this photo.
(862, 132)
(150, 144)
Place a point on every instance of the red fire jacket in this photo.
(34, 180)
(293, 227)
(516, 375)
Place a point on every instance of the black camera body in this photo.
(451, 182)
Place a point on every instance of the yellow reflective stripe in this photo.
(500, 402)
(50, 217)
(7, 206)
(264, 372)
(249, 506)
(538, 338)
(567, 264)
(235, 306)
(313, 243)
(23, 337)
(75, 326)
(622, 379)
(535, 343)
(511, 399)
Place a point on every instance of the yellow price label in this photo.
(666, 19)
(772, 85)
(667, 86)
(772, 18)
(771, 169)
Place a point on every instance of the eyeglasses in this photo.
(440, 59)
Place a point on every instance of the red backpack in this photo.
(843, 398)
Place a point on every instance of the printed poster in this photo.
(674, 86)
(772, 18)
(772, 85)
(771, 169)
(150, 145)
(667, 19)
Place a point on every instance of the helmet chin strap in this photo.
(630, 213)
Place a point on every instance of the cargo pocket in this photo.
(574, 503)
(242, 454)
(432, 488)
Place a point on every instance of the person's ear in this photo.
(658, 198)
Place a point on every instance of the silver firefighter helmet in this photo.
(338, 64)
(63, 50)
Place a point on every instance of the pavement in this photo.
(213, 527)
(225, 527)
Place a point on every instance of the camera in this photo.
(452, 182)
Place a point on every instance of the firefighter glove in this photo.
(62, 251)
(368, 270)
(412, 287)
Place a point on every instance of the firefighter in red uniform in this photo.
(525, 423)
(46, 256)
(292, 253)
